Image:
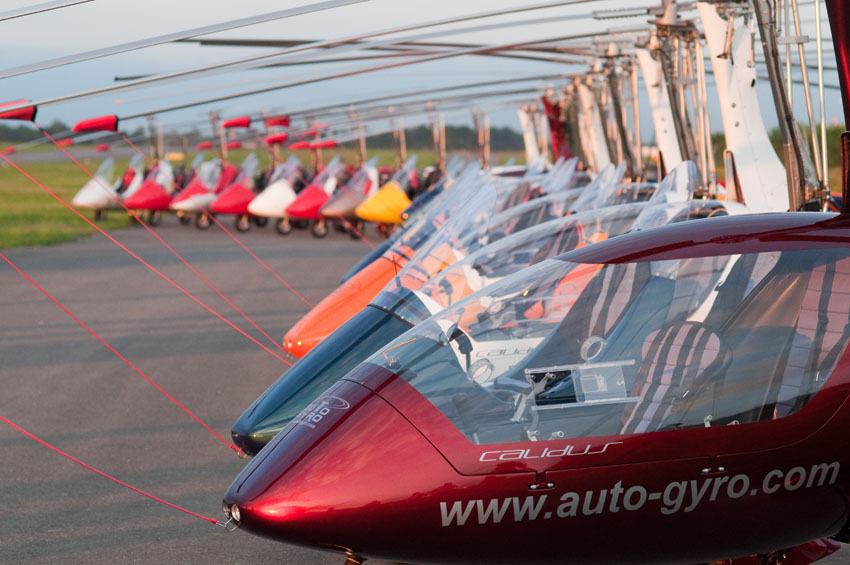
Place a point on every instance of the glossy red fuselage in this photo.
(374, 469)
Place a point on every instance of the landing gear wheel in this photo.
(154, 218)
(184, 218)
(283, 226)
(99, 215)
(301, 224)
(260, 221)
(243, 223)
(357, 230)
(202, 221)
(319, 229)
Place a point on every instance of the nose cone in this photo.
(344, 349)
(308, 203)
(343, 204)
(351, 474)
(149, 196)
(339, 306)
(386, 205)
(234, 200)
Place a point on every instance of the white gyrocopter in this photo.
(101, 193)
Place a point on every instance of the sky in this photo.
(102, 23)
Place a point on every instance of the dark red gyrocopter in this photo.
(688, 402)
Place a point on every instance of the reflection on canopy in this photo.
(578, 350)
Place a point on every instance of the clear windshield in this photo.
(248, 169)
(196, 162)
(287, 171)
(578, 350)
(445, 189)
(528, 247)
(137, 163)
(444, 208)
(402, 176)
(332, 169)
(162, 174)
(455, 166)
(561, 178)
(600, 189)
(106, 170)
(209, 172)
(360, 181)
(498, 260)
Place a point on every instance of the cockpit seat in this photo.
(676, 359)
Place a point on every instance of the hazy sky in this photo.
(105, 22)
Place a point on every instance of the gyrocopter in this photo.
(675, 394)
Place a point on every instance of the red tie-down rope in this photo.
(106, 476)
(117, 354)
(145, 263)
(297, 294)
(124, 137)
(167, 246)
(241, 244)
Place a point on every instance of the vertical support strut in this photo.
(839, 21)
(615, 86)
(845, 172)
(798, 165)
(669, 51)
(152, 135)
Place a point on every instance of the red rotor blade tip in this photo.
(323, 144)
(25, 114)
(242, 122)
(276, 139)
(278, 121)
(100, 123)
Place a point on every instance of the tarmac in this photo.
(65, 387)
(62, 385)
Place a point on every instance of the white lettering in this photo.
(570, 505)
(697, 494)
(717, 484)
(493, 509)
(529, 506)
(732, 492)
(822, 470)
(766, 486)
(629, 504)
(792, 483)
(615, 496)
(457, 513)
(600, 504)
(673, 502)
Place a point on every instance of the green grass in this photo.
(30, 216)
(387, 156)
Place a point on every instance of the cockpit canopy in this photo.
(581, 349)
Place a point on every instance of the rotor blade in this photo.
(450, 54)
(345, 107)
(39, 8)
(342, 43)
(172, 37)
(397, 54)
